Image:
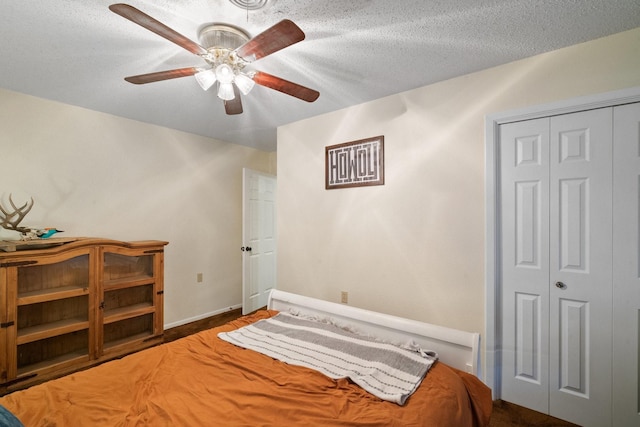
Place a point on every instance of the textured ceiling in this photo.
(78, 52)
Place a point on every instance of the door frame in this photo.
(493, 308)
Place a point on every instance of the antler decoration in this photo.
(10, 220)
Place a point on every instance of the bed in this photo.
(204, 379)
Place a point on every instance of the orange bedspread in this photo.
(201, 380)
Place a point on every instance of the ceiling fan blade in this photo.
(151, 24)
(233, 106)
(283, 34)
(285, 86)
(162, 75)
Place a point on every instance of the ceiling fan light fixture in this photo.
(244, 83)
(205, 78)
(225, 91)
(225, 74)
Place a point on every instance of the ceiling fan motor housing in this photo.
(220, 41)
(222, 36)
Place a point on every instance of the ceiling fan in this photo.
(227, 50)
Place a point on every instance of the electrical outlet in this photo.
(199, 277)
(344, 297)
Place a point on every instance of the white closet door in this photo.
(626, 290)
(524, 151)
(580, 333)
(556, 265)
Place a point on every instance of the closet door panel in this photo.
(525, 262)
(580, 268)
(626, 261)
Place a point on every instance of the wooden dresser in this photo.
(75, 304)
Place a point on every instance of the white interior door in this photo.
(626, 276)
(581, 325)
(525, 263)
(258, 239)
(556, 265)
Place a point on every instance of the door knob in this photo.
(246, 248)
(561, 285)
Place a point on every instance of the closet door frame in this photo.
(493, 332)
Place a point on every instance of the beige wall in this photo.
(415, 246)
(93, 174)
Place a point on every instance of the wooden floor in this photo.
(508, 414)
(200, 325)
(505, 414)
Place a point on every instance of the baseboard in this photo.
(201, 316)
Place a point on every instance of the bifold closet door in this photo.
(626, 276)
(556, 265)
(580, 332)
(524, 150)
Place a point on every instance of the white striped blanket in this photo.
(387, 371)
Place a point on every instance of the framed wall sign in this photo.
(355, 164)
